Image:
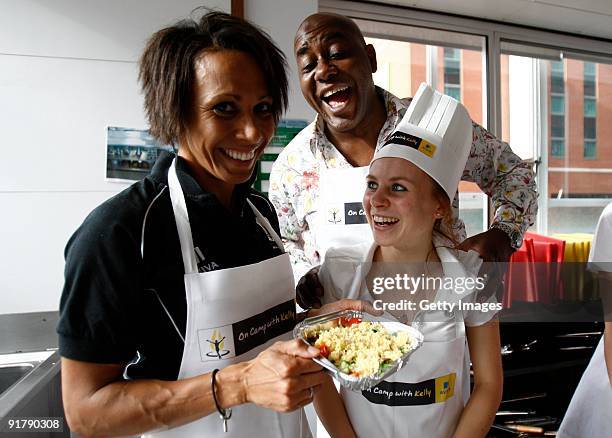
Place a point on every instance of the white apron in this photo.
(232, 315)
(427, 396)
(340, 218)
(590, 411)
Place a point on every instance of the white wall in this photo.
(281, 19)
(67, 70)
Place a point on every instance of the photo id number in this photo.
(34, 424)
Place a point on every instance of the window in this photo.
(558, 148)
(589, 79)
(557, 126)
(557, 109)
(574, 183)
(589, 68)
(452, 72)
(557, 104)
(557, 82)
(589, 107)
(589, 87)
(451, 54)
(589, 149)
(453, 91)
(590, 125)
(590, 111)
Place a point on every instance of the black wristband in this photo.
(225, 414)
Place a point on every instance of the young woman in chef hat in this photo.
(410, 183)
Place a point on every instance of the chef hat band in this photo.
(435, 134)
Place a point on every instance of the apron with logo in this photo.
(232, 315)
(427, 396)
(340, 218)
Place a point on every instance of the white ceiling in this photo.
(584, 17)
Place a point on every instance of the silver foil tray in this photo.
(352, 382)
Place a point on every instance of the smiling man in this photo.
(320, 167)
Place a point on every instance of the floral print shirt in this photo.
(294, 187)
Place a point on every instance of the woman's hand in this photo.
(99, 402)
(283, 377)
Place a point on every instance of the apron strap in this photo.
(144, 221)
(182, 221)
(265, 224)
(178, 332)
(460, 324)
(184, 229)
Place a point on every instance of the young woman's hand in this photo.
(346, 304)
(309, 290)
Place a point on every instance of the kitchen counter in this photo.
(23, 332)
(30, 372)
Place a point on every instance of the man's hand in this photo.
(309, 290)
(494, 248)
(493, 245)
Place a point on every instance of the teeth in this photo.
(329, 93)
(383, 219)
(242, 156)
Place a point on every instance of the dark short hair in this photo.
(167, 73)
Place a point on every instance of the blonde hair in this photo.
(444, 225)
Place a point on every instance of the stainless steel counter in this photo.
(28, 332)
(30, 380)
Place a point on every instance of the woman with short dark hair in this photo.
(178, 302)
(167, 75)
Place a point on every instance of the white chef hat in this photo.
(435, 135)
